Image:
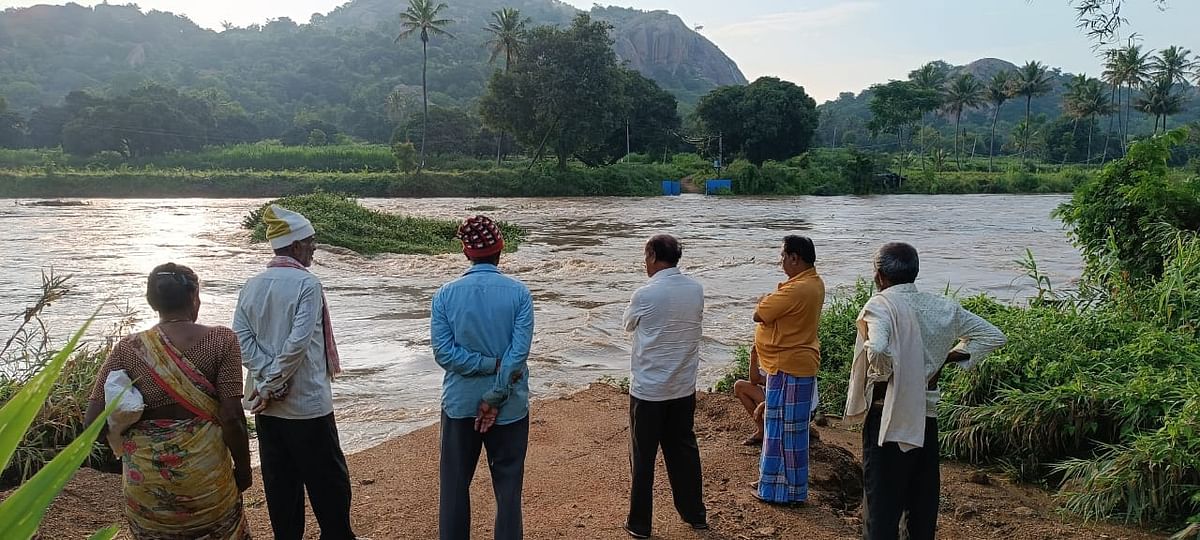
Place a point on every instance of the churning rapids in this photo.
(582, 259)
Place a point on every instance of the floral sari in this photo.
(179, 480)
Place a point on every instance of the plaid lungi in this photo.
(783, 470)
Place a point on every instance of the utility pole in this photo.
(720, 152)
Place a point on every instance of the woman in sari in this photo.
(186, 462)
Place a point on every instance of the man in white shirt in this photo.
(282, 322)
(665, 316)
(905, 339)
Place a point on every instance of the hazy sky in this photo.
(829, 46)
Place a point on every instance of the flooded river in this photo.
(582, 259)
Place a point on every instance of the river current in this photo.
(582, 259)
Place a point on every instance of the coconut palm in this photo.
(1113, 77)
(1159, 99)
(932, 78)
(997, 93)
(1133, 70)
(421, 18)
(1174, 64)
(508, 32)
(964, 92)
(1031, 80)
(1088, 101)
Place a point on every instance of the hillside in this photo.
(339, 67)
(848, 115)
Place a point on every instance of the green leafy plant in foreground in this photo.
(342, 221)
(23, 510)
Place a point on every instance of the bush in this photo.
(1117, 215)
(340, 221)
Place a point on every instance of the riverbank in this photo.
(576, 486)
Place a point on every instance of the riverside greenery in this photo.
(267, 170)
(1097, 394)
(342, 221)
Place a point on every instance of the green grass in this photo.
(618, 180)
(341, 221)
(275, 157)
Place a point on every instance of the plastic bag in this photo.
(128, 411)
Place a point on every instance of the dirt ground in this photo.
(577, 478)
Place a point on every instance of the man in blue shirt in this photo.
(481, 328)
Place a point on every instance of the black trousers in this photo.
(461, 444)
(669, 424)
(298, 455)
(896, 482)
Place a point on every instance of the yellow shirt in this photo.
(787, 338)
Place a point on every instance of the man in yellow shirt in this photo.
(790, 353)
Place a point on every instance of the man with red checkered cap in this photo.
(481, 327)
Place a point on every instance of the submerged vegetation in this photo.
(1097, 394)
(342, 221)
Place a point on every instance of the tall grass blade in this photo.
(23, 510)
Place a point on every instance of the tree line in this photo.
(1134, 80)
(557, 90)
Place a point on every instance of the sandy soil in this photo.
(577, 479)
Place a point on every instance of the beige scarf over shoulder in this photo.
(903, 420)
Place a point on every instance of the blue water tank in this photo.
(716, 186)
(671, 187)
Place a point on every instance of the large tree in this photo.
(563, 94)
(768, 119)
(899, 104)
(148, 121)
(964, 92)
(1031, 80)
(12, 127)
(646, 122)
(997, 93)
(421, 18)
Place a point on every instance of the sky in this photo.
(830, 46)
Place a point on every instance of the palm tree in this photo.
(1031, 80)
(1087, 103)
(1071, 104)
(1159, 99)
(422, 16)
(997, 93)
(508, 32)
(931, 77)
(1113, 77)
(964, 92)
(1133, 69)
(1174, 64)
